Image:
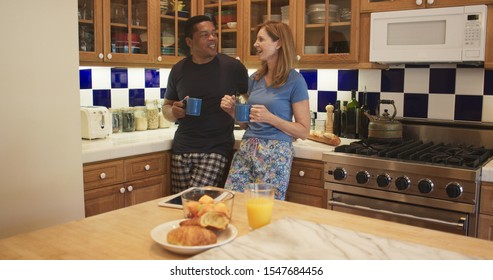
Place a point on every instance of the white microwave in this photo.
(433, 35)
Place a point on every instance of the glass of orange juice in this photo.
(259, 202)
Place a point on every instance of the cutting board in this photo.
(290, 238)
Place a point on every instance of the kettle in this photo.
(384, 128)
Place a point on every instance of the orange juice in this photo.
(259, 210)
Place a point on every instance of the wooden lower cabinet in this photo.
(306, 185)
(485, 224)
(146, 177)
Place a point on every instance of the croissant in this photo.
(191, 236)
(212, 220)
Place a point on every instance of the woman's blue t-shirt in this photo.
(278, 101)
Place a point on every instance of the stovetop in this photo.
(443, 154)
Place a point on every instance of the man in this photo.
(203, 144)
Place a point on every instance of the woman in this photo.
(277, 93)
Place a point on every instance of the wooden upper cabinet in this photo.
(115, 31)
(327, 32)
(170, 21)
(395, 5)
(229, 18)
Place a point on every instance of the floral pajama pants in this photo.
(261, 161)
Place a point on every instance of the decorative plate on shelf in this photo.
(159, 235)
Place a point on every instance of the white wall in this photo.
(40, 146)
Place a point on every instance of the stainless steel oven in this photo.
(421, 183)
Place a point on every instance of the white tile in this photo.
(487, 108)
(86, 97)
(469, 81)
(136, 78)
(327, 79)
(344, 96)
(417, 80)
(152, 93)
(119, 98)
(251, 71)
(163, 77)
(101, 77)
(313, 99)
(398, 98)
(369, 79)
(441, 106)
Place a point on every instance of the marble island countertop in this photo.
(141, 142)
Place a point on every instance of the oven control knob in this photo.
(383, 180)
(454, 190)
(402, 183)
(425, 186)
(340, 174)
(362, 177)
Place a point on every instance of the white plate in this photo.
(160, 233)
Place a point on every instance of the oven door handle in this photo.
(459, 224)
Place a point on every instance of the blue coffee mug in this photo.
(242, 112)
(193, 106)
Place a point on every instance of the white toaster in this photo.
(95, 122)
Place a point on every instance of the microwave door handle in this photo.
(459, 224)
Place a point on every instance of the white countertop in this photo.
(296, 239)
(142, 142)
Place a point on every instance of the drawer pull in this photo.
(301, 173)
(102, 175)
(147, 167)
(122, 190)
(130, 188)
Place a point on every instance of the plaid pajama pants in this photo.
(196, 170)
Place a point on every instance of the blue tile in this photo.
(468, 108)
(310, 78)
(442, 80)
(101, 97)
(415, 105)
(119, 78)
(347, 80)
(488, 82)
(136, 97)
(324, 98)
(417, 66)
(372, 102)
(151, 78)
(392, 80)
(162, 93)
(85, 78)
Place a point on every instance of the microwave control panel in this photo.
(473, 30)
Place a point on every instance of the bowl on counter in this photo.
(197, 201)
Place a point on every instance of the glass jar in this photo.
(163, 122)
(140, 113)
(116, 120)
(152, 113)
(128, 120)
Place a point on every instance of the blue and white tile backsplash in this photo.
(440, 92)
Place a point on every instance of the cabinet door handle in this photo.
(430, 2)
(122, 190)
(301, 173)
(147, 167)
(100, 55)
(130, 188)
(109, 56)
(419, 2)
(159, 58)
(102, 175)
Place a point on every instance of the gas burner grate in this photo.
(416, 150)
